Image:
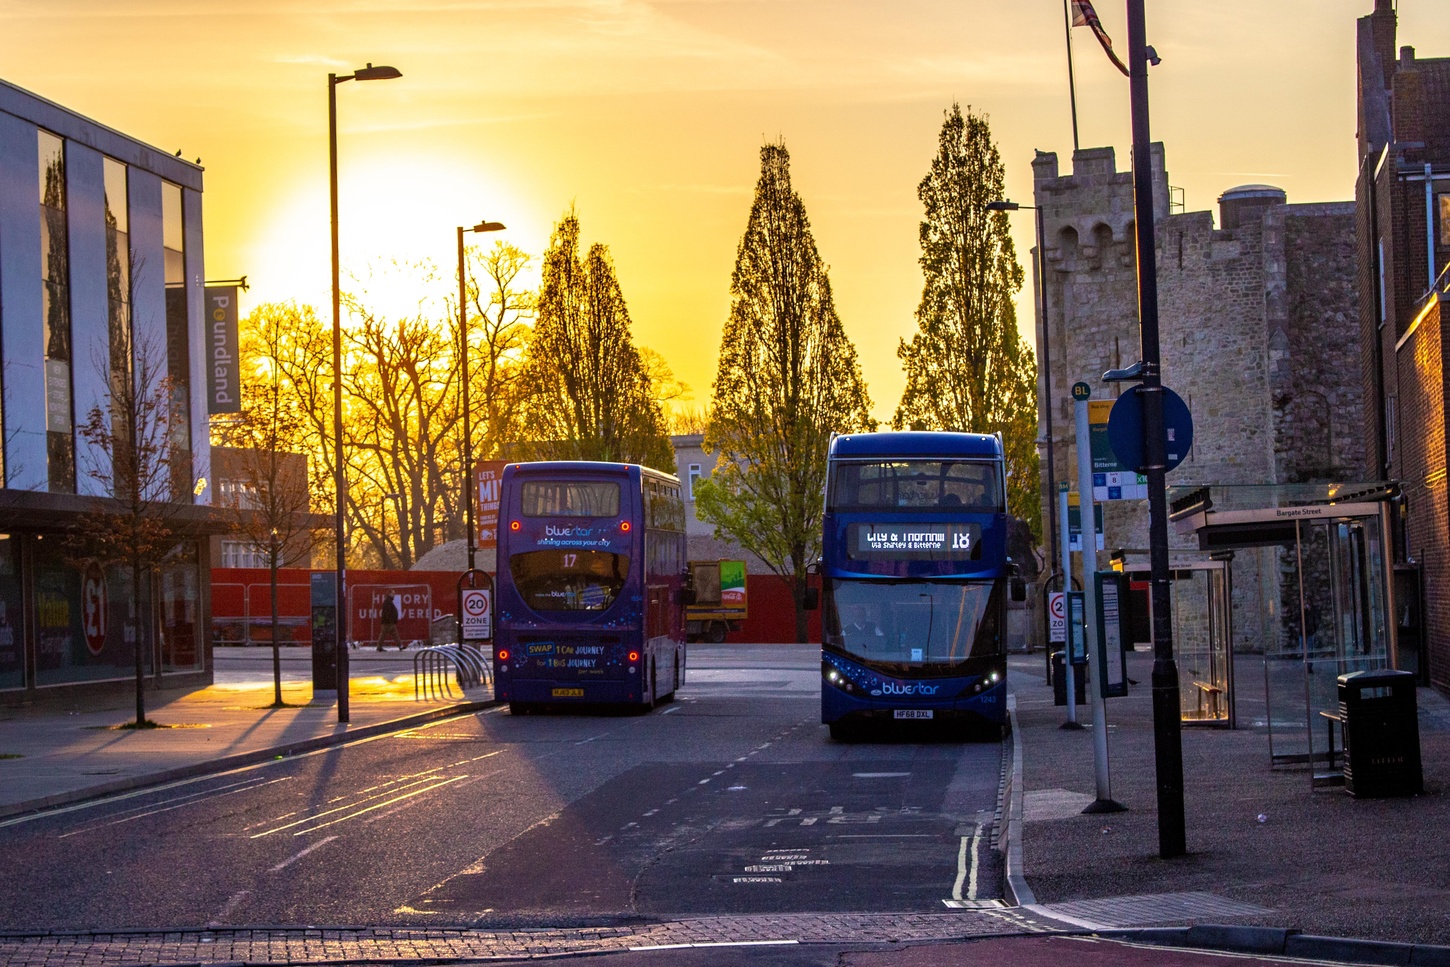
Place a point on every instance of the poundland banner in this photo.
(224, 377)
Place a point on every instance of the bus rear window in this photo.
(569, 580)
(569, 498)
(916, 484)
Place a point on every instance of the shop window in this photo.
(178, 599)
(84, 627)
(12, 637)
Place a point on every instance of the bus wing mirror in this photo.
(1019, 589)
(685, 597)
(812, 599)
(814, 568)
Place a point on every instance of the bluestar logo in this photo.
(892, 688)
(551, 531)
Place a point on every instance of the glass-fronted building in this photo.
(101, 316)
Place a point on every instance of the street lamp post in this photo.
(1012, 206)
(463, 366)
(368, 73)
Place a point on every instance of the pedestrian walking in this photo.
(389, 623)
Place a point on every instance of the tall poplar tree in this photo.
(588, 392)
(788, 378)
(967, 368)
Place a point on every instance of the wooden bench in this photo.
(1211, 693)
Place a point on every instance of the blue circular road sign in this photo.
(1125, 428)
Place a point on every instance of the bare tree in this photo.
(402, 428)
(134, 525)
(499, 333)
(268, 495)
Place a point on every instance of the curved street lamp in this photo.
(368, 73)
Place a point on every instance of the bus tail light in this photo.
(624, 526)
(513, 525)
(634, 656)
(503, 654)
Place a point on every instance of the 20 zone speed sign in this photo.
(477, 605)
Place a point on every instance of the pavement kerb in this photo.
(239, 760)
(1278, 941)
(1018, 892)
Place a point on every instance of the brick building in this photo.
(1258, 336)
(1403, 243)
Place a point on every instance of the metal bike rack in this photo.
(435, 670)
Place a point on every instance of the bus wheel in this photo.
(715, 633)
(842, 732)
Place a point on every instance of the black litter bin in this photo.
(1377, 711)
(1059, 680)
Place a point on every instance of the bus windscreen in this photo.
(920, 623)
(569, 498)
(567, 579)
(916, 484)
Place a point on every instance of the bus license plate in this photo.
(913, 713)
(568, 693)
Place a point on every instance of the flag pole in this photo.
(1071, 86)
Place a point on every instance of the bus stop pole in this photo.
(1068, 675)
(1104, 802)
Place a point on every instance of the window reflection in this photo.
(55, 272)
(118, 275)
(178, 356)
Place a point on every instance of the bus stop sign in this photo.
(1125, 428)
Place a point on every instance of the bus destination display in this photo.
(914, 541)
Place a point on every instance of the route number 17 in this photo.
(570, 559)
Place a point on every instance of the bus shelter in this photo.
(1315, 565)
(1200, 604)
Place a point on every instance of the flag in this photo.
(1083, 15)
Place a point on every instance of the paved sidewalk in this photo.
(54, 755)
(1264, 847)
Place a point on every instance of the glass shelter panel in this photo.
(1202, 644)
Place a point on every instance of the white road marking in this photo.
(189, 800)
(388, 802)
(670, 711)
(837, 810)
(651, 812)
(232, 903)
(297, 856)
(808, 821)
(878, 775)
(351, 815)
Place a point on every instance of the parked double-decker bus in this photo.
(591, 561)
(916, 577)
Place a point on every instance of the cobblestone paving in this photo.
(314, 945)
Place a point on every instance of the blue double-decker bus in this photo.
(916, 577)
(591, 563)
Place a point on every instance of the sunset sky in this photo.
(649, 117)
